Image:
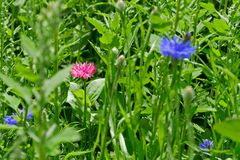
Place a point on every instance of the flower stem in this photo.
(85, 105)
(1, 51)
(177, 15)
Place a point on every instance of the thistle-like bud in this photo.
(115, 50)
(120, 60)
(121, 5)
(188, 94)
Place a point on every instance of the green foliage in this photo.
(50, 84)
(95, 88)
(132, 107)
(229, 128)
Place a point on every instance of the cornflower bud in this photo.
(120, 60)
(115, 50)
(188, 94)
(120, 5)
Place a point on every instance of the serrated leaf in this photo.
(23, 92)
(97, 24)
(50, 84)
(229, 128)
(107, 38)
(94, 89)
(29, 47)
(116, 22)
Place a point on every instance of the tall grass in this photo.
(139, 104)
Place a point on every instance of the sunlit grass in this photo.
(165, 82)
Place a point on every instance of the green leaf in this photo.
(19, 3)
(130, 36)
(50, 84)
(116, 22)
(201, 109)
(26, 72)
(68, 134)
(229, 128)
(100, 53)
(220, 25)
(208, 6)
(160, 23)
(23, 92)
(154, 42)
(216, 52)
(29, 47)
(77, 153)
(75, 96)
(196, 72)
(79, 95)
(223, 103)
(198, 128)
(95, 88)
(97, 24)
(70, 97)
(8, 127)
(107, 38)
(11, 101)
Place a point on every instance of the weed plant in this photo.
(108, 79)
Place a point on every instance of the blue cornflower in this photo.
(176, 49)
(10, 120)
(207, 144)
(29, 115)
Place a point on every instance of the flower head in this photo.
(83, 70)
(10, 120)
(176, 49)
(13, 121)
(121, 5)
(29, 115)
(207, 144)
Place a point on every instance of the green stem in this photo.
(41, 103)
(56, 69)
(225, 6)
(177, 15)
(1, 51)
(85, 105)
(195, 23)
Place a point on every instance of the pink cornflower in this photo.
(83, 70)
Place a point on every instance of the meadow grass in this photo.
(150, 97)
